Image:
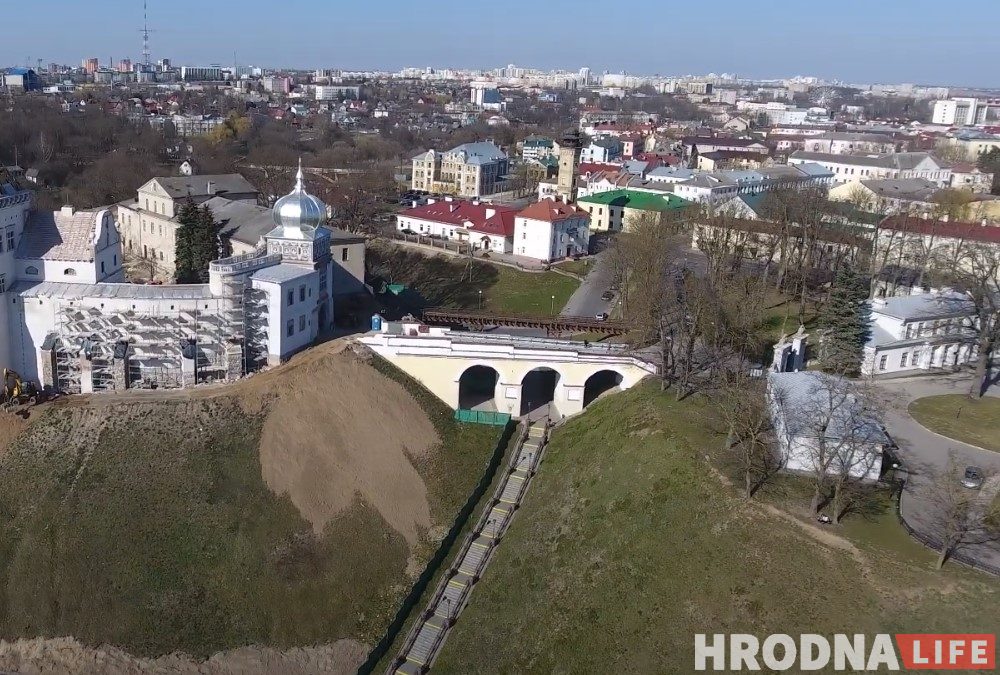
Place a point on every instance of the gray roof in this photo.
(919, 189)
(241, 221)
(179, 187)
(901, 161)
(54, 235)
(58, 289)
(673, 172)
(281, 273)
(482, 152)
(852, 136)
(339, 236)
(927, 306)
(806, 390)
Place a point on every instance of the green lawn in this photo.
(518, 292)
(958, 416)
(628, 544)
(581, 267)
(444, 281)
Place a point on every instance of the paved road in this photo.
(586, 299)
(924, 453)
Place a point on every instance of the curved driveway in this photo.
(924, 452)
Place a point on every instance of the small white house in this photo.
(822, 424)
(550, 229)
(914, 333)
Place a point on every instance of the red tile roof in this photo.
(484, 218)
(551, 211)
(594, 167)
(940, 228)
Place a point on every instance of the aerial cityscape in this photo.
(372, 340)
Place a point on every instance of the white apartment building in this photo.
(468, 170)
(966, 111)
(920, 332)
(148, 225)
(846, 168)
(550, 230)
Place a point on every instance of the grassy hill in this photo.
(156, 523)
(629, 544)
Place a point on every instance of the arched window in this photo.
(69, 272)
(31, 270)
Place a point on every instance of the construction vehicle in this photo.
(17, 392)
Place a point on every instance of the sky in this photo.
(857, 41)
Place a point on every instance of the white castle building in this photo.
(74, 324)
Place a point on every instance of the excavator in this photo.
(16, 390)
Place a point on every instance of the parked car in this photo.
(603, 316)
(973, 477)
(607, 295)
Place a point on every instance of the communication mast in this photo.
(145, 36)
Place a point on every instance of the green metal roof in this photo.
(631, 199)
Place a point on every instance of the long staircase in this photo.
(424, 641)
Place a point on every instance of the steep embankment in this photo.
(289, 510)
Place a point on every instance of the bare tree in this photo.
(959, 516)
(743, 405)
(832, 433)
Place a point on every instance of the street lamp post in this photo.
(552, 306)
(480, 299)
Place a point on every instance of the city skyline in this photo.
(854, 42)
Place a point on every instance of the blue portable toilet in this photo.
(376, 322)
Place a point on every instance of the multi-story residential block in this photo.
(338, 92)
(692, 145)
(965, 111)
(487, 227)
(618, 209)
(469, 170)
(148, 225)
(202, 73)
(846, 168)
(537, 147)
(920, 332)
(550, 230)
(607, 149)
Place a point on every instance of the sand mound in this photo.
(339, 428)
(66, 655)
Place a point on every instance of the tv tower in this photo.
(145, 37)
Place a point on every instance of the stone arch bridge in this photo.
(508, 373)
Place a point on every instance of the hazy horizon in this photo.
(855, 42)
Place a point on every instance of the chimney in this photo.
(67, 210)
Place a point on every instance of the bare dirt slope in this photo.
(339, 429)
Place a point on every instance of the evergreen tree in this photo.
(198, 243)
(989, 162)
(845, 323)
(187, 243)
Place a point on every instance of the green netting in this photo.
(496, 419)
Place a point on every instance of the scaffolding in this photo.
(86, 337)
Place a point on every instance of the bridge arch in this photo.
(477, 388)
(601, 382)
(538, 388)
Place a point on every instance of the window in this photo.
(31, 270)
(916, 357)
(290, 328)
(291, 297)
(903, 358)
(114, 258)
(102, 267)
(302, 293)
(161, 255)
(147, 205)
(302, 323)
(10, 239)
(3, 283)
(345, 255)
(69, 272)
